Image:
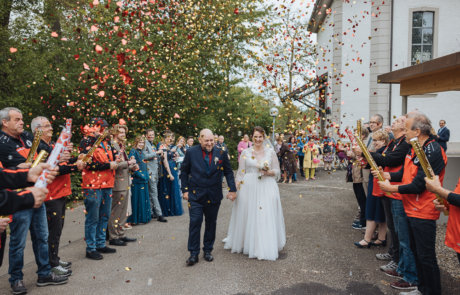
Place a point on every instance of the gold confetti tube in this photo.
(33, 149)
(40, 158)
(369, 158)
(90, 153)
(358, 128)
(425, 165)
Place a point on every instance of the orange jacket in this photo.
(60, 187)
(98, 174)
(396, 196)
(419, 205)
(453, 225)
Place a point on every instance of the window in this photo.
(422, 36)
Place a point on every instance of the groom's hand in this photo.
(185, 196)
(231, 196)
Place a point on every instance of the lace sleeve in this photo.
(241, 168)
(275, 165)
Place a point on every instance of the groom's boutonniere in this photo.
(216, 159)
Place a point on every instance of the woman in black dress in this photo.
(288, 161)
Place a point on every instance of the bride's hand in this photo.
(231, 196)
(267, 172)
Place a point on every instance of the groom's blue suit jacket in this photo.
(205, 184)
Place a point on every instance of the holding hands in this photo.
(231, 196)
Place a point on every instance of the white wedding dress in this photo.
(257, 224)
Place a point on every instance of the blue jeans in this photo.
(406, 265)
(98, 205)
(35, 220)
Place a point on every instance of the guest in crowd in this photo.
(401, 258)
(190, 142)
(292, 144)
(121, 191)
(443, 135)
(418, 202)
(55, 202)
(375, 123)
(98, 179)
(221, 143)
(140, 201)
(374, 207)
(180, 151)
(357, 177)
(24, 197)
(302, 140)
(169, 190)
(244, 144)
(452, 239)
(152, 157)
(288, 161)
(311, 160)
(15, 145)
(328, 151)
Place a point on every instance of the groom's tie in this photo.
(206, 161)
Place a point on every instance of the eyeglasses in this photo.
(373, 122)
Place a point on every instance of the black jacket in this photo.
(12, 201)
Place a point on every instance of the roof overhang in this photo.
(437, 75)
(318, 15)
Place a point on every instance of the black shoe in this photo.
(208, 257)
(367, 245)
(51, 279)
(161, 219)
(128, 240)
(106, 250)
(192, 260)
(117, 242)
(18, 287)
(379, 243)
(94, 255)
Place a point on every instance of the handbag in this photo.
(316, 161)
(349, 175)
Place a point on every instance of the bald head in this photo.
(206, 139)
(205, 132)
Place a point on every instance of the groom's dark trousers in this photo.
(196, 211)
(201, 177)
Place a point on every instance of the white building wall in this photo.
(444, 105)
(329, 50)
(355, 78)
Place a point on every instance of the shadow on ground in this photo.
(355, 288)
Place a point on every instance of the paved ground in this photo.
(319, 257)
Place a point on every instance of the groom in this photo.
(201, 181)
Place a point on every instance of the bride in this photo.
(257, 223)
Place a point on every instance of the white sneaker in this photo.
(60, 271)
(389, 266)
(383, 256)
(413, 292)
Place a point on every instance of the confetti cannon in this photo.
(425, 165)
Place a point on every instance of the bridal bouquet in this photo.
(264, 168)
